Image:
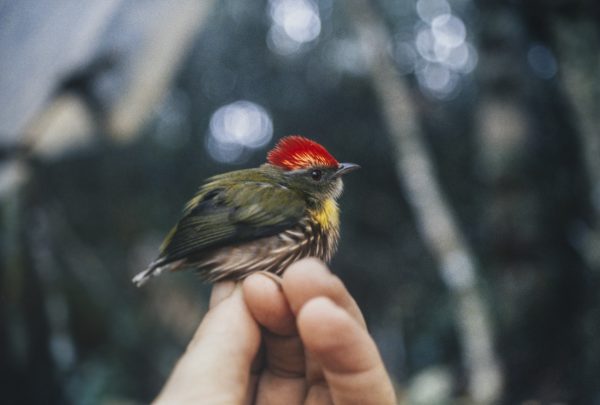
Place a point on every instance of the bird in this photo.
(259, 219)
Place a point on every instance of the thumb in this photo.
(216, 365)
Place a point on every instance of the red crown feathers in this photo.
(296, 152)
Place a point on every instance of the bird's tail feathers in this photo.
(154, 269)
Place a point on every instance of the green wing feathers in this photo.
(242, 207)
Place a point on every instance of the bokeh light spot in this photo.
(448, 30)
(425, 44)
(405, 56)
(437, 80)
(346, 56)
(294, 23)
(428, 10)
(542, 61)
(236, 127)
(443, 53)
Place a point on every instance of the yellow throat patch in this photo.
(328, 217)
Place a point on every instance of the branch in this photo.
(579, 72)
(433, 215)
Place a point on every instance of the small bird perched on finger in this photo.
(260, 219)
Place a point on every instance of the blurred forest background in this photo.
(470, 237)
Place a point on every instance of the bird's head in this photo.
(308, 167)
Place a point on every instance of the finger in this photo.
(318, 394)
(284, 354)
(310, 278)
(216, 365)
(348, 355)
(268, 305)
(220, 291)
(283, 377)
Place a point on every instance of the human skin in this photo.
(301, 342)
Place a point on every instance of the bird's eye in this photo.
(316, 175)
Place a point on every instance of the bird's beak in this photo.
(344, 168)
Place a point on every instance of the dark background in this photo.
(480, 285)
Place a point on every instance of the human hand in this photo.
(315, 346)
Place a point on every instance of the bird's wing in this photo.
(231, 214)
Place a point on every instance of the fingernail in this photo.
(220, 292)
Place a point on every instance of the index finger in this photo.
(310, 278)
